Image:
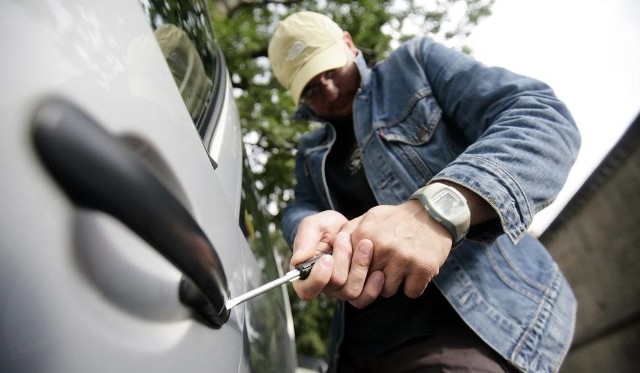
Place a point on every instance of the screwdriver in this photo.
(301, 271)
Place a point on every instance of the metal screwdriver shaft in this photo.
(289, 276)
(301, 271)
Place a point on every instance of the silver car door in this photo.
(79, 290)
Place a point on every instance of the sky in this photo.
(588, 51)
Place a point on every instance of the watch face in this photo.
(448, 203)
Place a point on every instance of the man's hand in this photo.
(345, 273)
(409, 245)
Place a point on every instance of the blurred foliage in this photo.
(243, 28)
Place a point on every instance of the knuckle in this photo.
(342, 247)
(359, 304)
(308, 220)
(352, 292)
(414, 292)
(304, 295)
(338, 279)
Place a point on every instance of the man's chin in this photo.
(341, 118)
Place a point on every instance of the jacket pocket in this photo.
(416, 123)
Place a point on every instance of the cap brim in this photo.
(330, 58)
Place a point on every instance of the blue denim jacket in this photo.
(431, 113)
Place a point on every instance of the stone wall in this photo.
(595, 241)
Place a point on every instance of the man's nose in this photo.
(329, 89)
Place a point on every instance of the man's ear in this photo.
(349, 42)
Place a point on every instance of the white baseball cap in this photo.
(304, 45)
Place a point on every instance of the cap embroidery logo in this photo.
(296, 49)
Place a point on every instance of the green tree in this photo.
(244, 27)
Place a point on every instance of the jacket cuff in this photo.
(499, 188)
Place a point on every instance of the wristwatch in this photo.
(448, 207)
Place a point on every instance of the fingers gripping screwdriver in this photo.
(301, 271)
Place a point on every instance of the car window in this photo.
(184, 33)
(270, 349)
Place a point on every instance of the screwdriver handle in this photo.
(305, 267)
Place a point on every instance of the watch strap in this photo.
(424, 194)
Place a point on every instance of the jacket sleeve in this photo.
(522, 140)
(306, 202)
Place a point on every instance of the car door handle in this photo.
(97, 171)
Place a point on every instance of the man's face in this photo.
(330, 94)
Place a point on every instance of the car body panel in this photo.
(78, 290)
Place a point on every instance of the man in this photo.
(427, 171)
